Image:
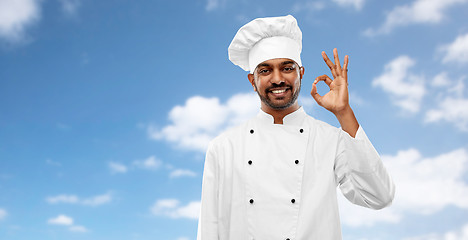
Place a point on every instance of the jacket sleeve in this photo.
(360, 173)
(208, 221)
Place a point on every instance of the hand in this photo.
(336, 100)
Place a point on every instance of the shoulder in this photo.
(323, 130)
(321, 125)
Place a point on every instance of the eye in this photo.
(263, 71)
(288, 69)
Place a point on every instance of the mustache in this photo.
(274, 85)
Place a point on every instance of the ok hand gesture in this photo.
(336, 100)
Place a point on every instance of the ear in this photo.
(301, 71)
(251, 78)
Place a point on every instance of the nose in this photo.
(277, 77)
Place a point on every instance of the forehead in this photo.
(276, 62)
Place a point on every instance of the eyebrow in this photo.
(282, 64)
(263, 65)
(287, 62)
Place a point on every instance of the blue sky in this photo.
(106, 108)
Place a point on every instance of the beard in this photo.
(265, 98)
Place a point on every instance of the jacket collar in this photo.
(293, 119)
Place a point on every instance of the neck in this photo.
(278, 115)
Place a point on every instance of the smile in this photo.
(279, 91)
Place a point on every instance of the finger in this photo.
(329, 64)
(337, 61)
(324, 78)
(345, 68)
(315, 94)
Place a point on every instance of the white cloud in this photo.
(461, 234)
(419, 11)
(97, 200)
(16, 16)
(171, 208)
(201, 119)
(450, 104)
(151, 163)
(191, 210)
(3, 214)
(457, 51)
(73, 199)
(117, 167)
(183, 238)
(65, 220)
(61, 220)
(457, 89)
(452, 110)
(427, 185)
(70, 7)
(424, 186)
(441, 80)
(405, 89)
(356, 4)
(164, 204)
(78, 228)
(182, 173)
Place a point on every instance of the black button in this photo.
(250, 162)
(251, 201)
(251, 131)
(296, 162)
(301, 130)
(293, 200)
(287, 238)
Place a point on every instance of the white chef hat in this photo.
(264, 39)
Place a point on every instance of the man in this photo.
(275, 177)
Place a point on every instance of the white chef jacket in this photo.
(266, 181)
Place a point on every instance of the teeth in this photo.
(278, 91)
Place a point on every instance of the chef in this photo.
(275, 177)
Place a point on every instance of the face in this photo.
(277, 82)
